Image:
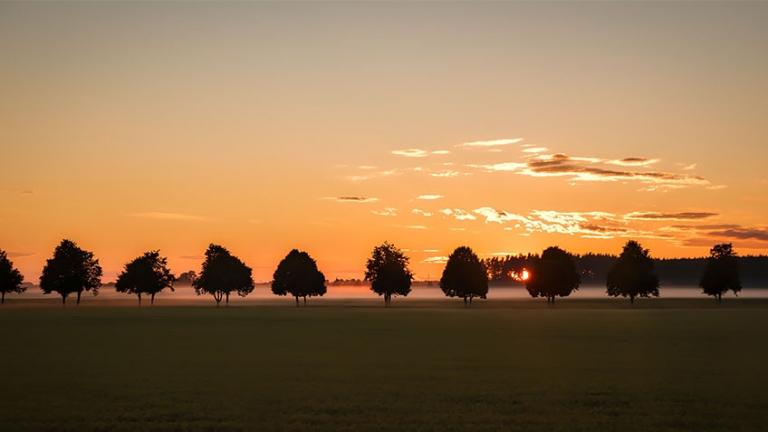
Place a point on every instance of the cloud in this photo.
(388, 211)
(717, 187)
(19, 254)
(491, 143)
(416, 227)
(535, 150)
(689, 167)
(168, 216)
(458, 214)
(410, 152)
(352, 199)
(421, 212)
(446, 173)
(579, 169)
(669, 216)
(505, 166)
(429, 197)
(435, 260)
(369, 174)
(431, 250)
(441, 152)
(760, 234)
(632, 161)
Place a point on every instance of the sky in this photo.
(329, 127)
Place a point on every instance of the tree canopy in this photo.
(387, 270)
(223, 274)
(721, 272)
(464, 276)
(297, 275)
(632, 274)
(186, 278)
(10, 277)
(554, 274)
(71, 270)
(147, 274)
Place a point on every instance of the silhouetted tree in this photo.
(464, 276)
(554, 274)
(297, 275)
(147, 274)
(10, 278)
(387, 270)
(71, 270)
(632, 274)
(722, 272)
(222, 274)
(186, 278)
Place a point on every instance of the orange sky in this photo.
(331, 127)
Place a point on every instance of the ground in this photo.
(667, 364)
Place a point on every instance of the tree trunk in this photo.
(217, 296)
(2, 299)
(719, 298)
(227, 299)
(297, 301)
(465, 302)
(152, 300)
(78, 297)
(305, 301)
(632, 300)
(63, 300)
(139, 299)
(553, 300)
(470, 300)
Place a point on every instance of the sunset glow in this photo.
(332, 127)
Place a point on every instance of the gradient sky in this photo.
(331, 127)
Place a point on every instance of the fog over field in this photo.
(262, 292)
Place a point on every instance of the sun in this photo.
(522, 276)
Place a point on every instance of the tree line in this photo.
(593, 269)
(554, 273)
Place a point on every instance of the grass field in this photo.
(515, 365)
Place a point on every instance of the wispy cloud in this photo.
(421, 212)
(435, 260)
(429, 197)
(458, 214)
(410, 152)
(352, 199)
(689, 167)
(20, 254)
(491, 143)
(168, 216)
(505, 166)
(445, 173)
(441, 152)
(416, 227)
(632, 162)
(670, 216)
(388, 211)
(535, 150)
(192, 257)
(742, 233)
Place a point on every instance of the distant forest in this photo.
(594, 268)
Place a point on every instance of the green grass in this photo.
(516, 365)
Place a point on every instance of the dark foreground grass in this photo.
(343, 368)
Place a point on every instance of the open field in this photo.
(667, 364)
